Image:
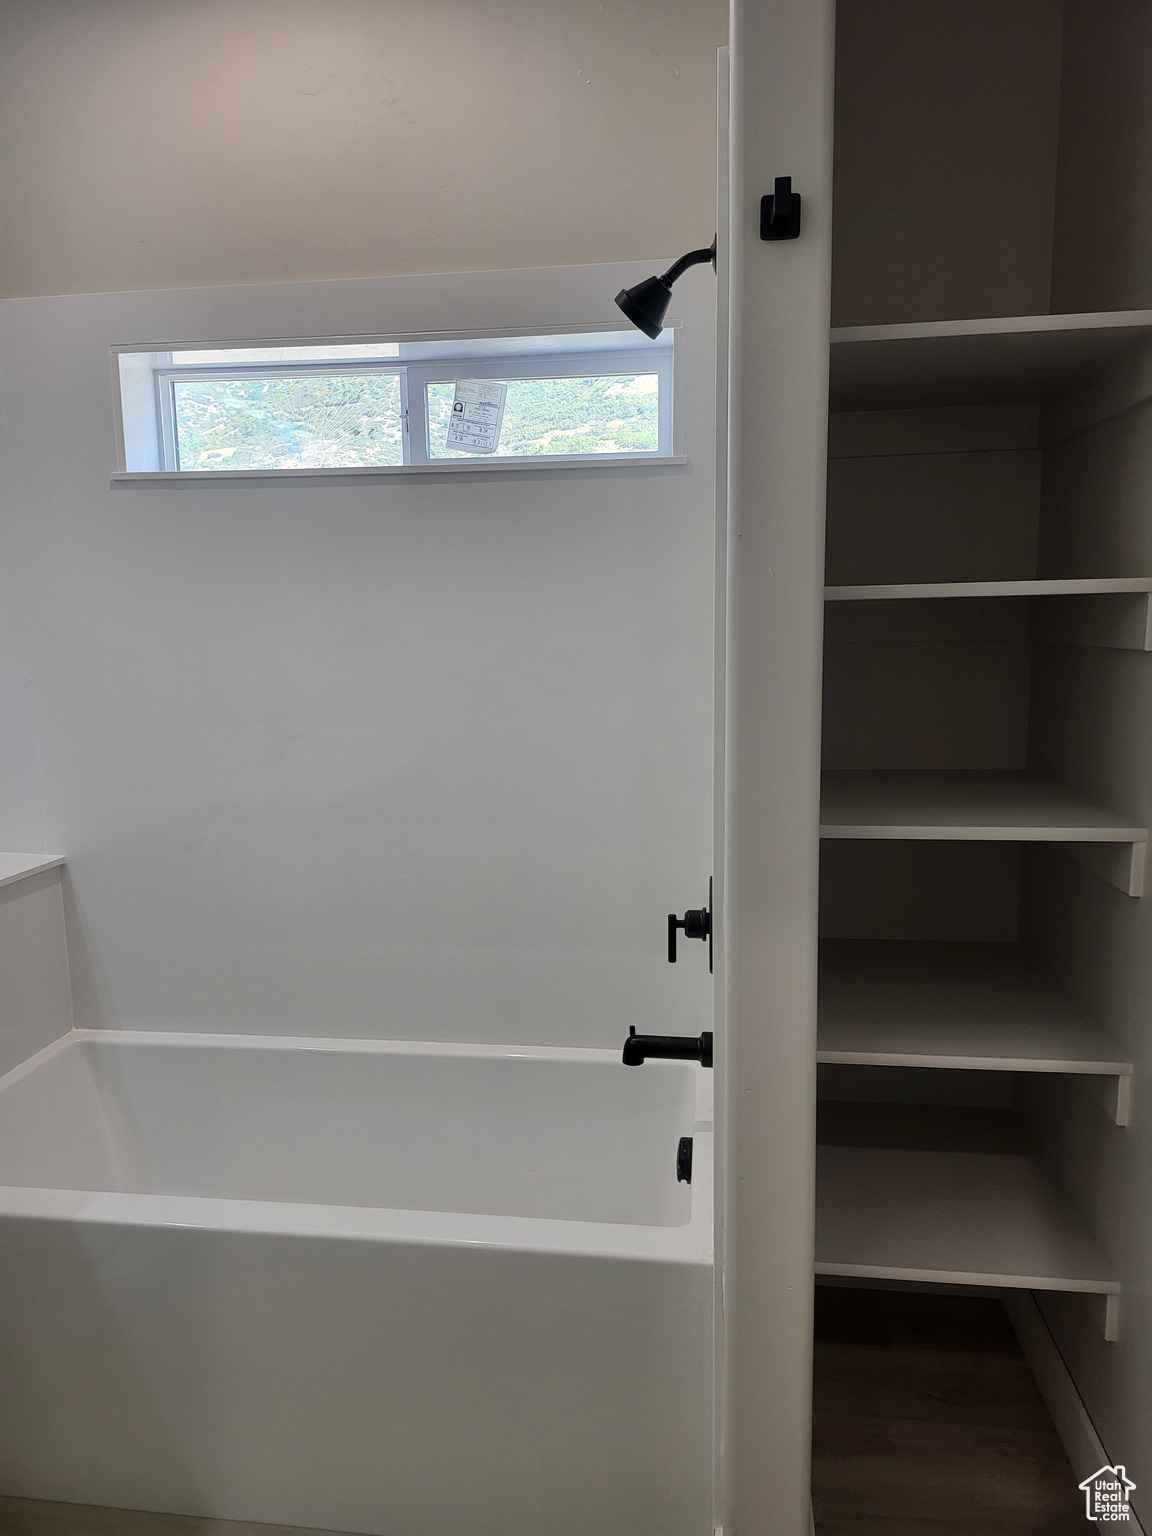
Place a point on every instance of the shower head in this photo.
(646, 304)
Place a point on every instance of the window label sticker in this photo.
(477, 416)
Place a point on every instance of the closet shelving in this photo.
(970, 1007)
(1009, 805)
(1108, 611)
(1036, 358)
(948, 1194)
(1074, 587)
(953, 1217)
(979, 805)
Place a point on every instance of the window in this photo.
(550, 417)
(604, 396)
(222, 420)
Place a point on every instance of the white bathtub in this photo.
(357, 1285)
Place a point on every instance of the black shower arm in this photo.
(693, 259)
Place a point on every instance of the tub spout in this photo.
(641, 1048)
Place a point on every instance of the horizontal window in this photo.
(298, 406)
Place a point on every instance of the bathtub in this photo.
(422, 1290)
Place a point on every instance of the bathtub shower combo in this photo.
(344, 750)
(370, 1286)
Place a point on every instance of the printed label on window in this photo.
(477, 416)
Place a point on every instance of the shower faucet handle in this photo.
(696, 924)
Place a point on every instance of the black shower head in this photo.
(647, 303)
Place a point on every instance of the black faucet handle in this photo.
(696, 923)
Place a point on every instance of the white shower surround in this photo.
(357, 1285)
(429, 757)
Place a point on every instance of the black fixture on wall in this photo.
(780, 212)
(647, 303)
(696, 923)
(641, 1048)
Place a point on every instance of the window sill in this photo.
(374, 473)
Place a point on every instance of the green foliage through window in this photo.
(347, 418)
(609, 414)
(304, 421)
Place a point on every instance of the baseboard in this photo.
(1069, 1415)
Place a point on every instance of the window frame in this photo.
(415, 374)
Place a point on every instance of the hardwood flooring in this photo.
(927, 1422)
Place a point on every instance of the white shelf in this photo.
(974, 362)
(970, 805)
(976, 1007)
(1115, 612)
(18, 866)
(982, 806)
(959, 1218)
(919, 591)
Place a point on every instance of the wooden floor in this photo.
(32, 1517)
(928, 1423)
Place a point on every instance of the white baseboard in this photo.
(1069, 1415)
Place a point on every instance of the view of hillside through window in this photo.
(307, 421)
(607, 414)
(348, 419)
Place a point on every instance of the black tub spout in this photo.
(641, 1048)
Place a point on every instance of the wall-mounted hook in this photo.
(780, 212)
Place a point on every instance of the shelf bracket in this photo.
(1106, 1310)
(1121, 864)
(1113, 1093)
(1120, 1099)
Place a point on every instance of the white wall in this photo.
(1101, 261)
(173, 143)
(1092, 713)
(426, 758)
(946, 139)
(1091, 729)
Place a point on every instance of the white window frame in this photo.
(414, 374)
